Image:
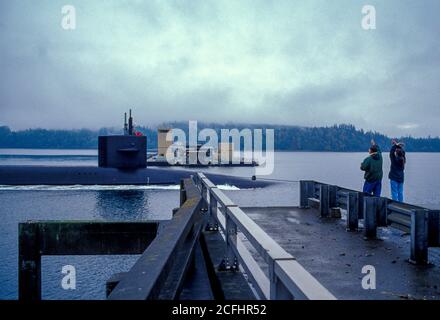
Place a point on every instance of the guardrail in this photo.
(286, 278)
(423, 224)
(39, 238)
(161, 270)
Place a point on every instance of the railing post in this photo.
(303, 194)
(324, 208)
(278, 290)
(196, 180)
(200, 181)
(230, 262)
(204, 193)
(29, 262)
(352, 211)
(211, 221)
(382, 212)
(434, 228)
(182, 192)
(419, 236)
(361, 197)
(370, 218)
(306, 191)
(333, 196)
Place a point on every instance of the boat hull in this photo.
(63, 175)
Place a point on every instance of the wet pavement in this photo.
(336, 257)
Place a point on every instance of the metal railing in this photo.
(422, 224)
(286, 278)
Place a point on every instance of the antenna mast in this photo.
(125, 124)
(130, 124)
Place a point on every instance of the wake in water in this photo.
(100, 187)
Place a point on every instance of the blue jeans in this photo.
(396, 190)
(374, 187)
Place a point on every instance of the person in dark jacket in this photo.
(372, 165)
(396, 175)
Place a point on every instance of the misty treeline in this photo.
(289, 138)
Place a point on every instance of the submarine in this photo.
(122, 160)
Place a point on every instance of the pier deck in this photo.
(335, 257)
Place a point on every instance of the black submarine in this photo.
(122, 160)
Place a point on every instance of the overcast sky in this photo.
(281, 62)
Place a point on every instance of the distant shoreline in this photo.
(337, 138)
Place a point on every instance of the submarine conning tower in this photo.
(127, 151)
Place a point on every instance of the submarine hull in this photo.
(52, 175)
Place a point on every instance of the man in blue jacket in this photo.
(372, 165)
(396, 175)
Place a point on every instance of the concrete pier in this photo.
(214, 249)
(336, 257)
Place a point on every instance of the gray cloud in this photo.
(287, 62)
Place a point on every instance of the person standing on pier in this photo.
(372, 165)
(396, 175)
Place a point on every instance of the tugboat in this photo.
(122, 160)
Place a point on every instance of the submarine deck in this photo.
(336, 257)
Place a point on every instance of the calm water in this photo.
(134, 203)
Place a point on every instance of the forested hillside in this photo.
(288, 138)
